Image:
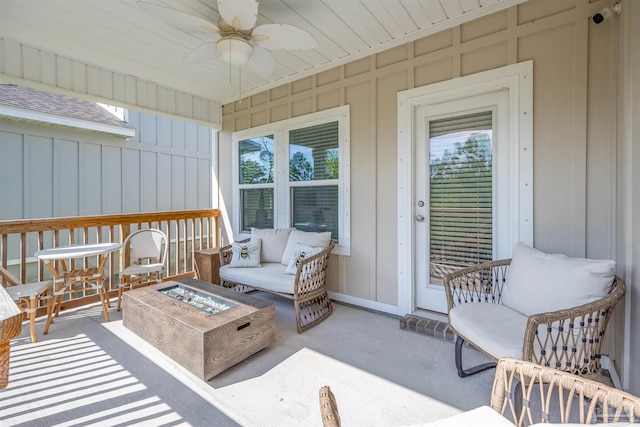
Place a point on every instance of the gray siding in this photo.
(48, 171)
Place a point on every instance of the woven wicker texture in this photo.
(559, 396)
(328, 408)
(310, 295)
(570, 340)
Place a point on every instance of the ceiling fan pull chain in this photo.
(239, 84)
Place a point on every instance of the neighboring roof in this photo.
(24, 103)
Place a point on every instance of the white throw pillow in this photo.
(301, 252)
(246, 254)
(273, 242)
(308, 238)
(537, 282)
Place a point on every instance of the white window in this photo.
(294, 173)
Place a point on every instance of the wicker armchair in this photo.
(518, 385)
(310, 297)
(568, 339)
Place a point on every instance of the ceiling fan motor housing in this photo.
(234, 50)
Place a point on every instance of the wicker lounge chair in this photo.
(564, 397)
(569, 339)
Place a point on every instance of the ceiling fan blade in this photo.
(204, 52)
(262, 63)
(178, 19)
(241, 14)
(283, 36)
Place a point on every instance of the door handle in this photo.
(419, 218)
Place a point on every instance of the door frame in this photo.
(518, 80)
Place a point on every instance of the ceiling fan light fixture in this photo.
(234, 51)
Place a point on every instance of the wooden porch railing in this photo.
(187, 232)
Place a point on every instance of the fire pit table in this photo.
(203, 327)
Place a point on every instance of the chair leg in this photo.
(102, 291)
(33, 302)
(471, 371)
(119, 297)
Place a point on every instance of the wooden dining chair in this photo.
(27, 296)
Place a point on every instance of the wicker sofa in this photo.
(546, 308)
(282, 269)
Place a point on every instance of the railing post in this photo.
(126, 230)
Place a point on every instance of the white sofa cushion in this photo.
(246, 254)
(494, 328)
(537, 282)
(274, 240)
(301, 252)
(308, 238)
(483, 416)
(271, 276)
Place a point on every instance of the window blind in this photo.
(313, 152)
(460, 192)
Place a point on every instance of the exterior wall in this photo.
(628, 230)
(575, 97)
(574, 153)
(50, 171)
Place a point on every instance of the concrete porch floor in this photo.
(87, 372)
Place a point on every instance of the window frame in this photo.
(281, 184)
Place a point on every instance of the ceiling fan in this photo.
(235, 39)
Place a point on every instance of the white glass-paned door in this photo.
(457, 178)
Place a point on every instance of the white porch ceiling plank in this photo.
(452, 8)
(391, 22)
(487, 3)
(360, 20)
(332, 26)
(469, 5)
(277, 11)
(434, 11)
(416, 11)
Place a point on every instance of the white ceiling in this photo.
(120, 36)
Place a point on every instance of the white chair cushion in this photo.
(246, 254)
(273, 242)
(483, 416)
(494, 328)
(271, 276)
(308, 238)
(27, 290)
(537, 282)
(142, 269)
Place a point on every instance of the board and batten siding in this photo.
(575, 80)
(48, 171)
(37, 68)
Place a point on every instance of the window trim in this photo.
(280, 131)
(518, 80)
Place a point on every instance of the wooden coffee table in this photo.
(205, 344)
